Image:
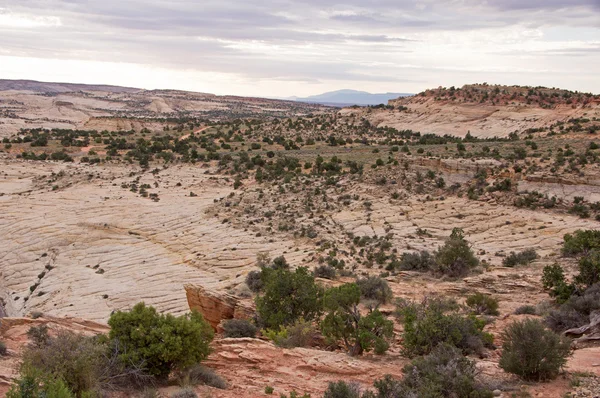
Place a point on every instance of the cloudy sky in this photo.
(302, 47)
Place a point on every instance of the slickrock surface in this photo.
(94, 247)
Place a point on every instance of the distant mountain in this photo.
(43, 87)
(350, 97)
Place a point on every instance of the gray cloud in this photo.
(301, 40)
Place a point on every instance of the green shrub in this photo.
(521, 258)
(162, 342)
(533, 352)
(455, 258)
(436, 321)
(443, 373)
(3, 349)
(553, 280)
(345, 323)
(526, 310)
(288, 296)
(239, 328)
(325, 272)
(341, 389)
(421, 261)
(32, 383)
(581, 242)
(254, 281)
(374, 288)
(269, 390)
(589, 269)
(483, 304)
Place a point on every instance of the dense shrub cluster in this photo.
(143, 347)
(435, 321)
(344, 322)
(421, 261)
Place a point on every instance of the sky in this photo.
(281, 48)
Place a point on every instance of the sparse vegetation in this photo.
(520, 258)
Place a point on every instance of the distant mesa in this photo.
(57, 88)
(343, 98)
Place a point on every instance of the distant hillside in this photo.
(43, 87)
(350, 97)
(486, 111)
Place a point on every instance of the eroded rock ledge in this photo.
(217, 306)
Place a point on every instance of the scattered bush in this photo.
(3, 349)
(325, 272)
(254, 281)
(526, 310)
(455, 259)
(443, 373)
(374, 288)
(345, 323)
(269, 390)
(36, 314)
(162, 342)
(435, 321)
(239, 328)
(341, 389)
(483, 304)
(533, 352)
(199, 374)
(521, 258)
(421, 261)
(185, 393)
